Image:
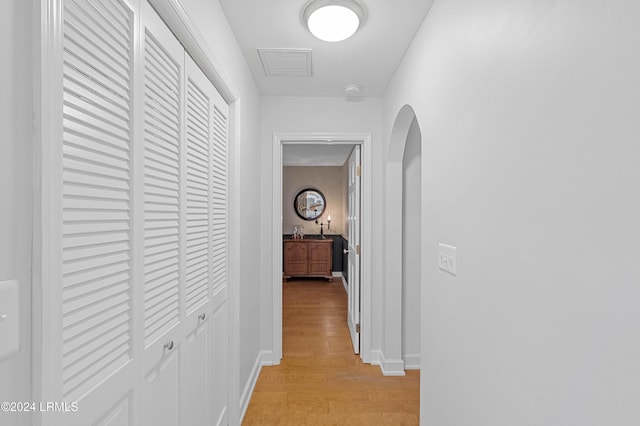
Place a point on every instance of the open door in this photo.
(354, 249)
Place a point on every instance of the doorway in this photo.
(327, 139)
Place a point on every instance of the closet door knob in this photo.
(169, 345)
(202, 316)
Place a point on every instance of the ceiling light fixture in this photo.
(333, 20)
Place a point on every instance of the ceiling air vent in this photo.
(286, 62)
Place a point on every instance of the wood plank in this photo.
(320, 381)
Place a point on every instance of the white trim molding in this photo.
(391, 367)
(342, 280)
(412, 361)
(187, 32)
(46, 262)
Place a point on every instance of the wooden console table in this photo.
(308, 258)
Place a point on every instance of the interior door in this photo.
(164, 239)
(185, 363)
(89, 343)
(196, 360)
(219, 261)
(354, 248)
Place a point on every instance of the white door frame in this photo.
(364, 140)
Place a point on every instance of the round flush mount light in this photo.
(333, 20)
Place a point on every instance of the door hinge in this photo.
(358, 171)
(358, 249)
(357, 328)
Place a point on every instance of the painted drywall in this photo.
(321, 115)
(16, 190)
(327, 179)
(411, 247)
(529, 118)
(210, 18)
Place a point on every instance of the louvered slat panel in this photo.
(80, 242)
(97, 47)
(219, 199)
(77, 332)
(96, 250)
(161, 190)
(111, 281)
(197, 196)
(96, 231)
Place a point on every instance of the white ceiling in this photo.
(314, 154)
(369, 58)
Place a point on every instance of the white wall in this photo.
(210, 18)
(529, 119)
(306, 115)
(16, 189)
(411, 247)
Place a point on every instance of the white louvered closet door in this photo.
(137, 322)
(96, 342)
(184, 236)
(219, 257)
(163, 181)
(195, 404)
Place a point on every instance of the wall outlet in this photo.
(447, 258)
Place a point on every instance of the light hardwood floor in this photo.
(320, 381)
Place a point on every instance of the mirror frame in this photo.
(299, 211)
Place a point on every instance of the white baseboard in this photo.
(344, 282)
(264, 358)
(412, 361)
(345, 285)
(391, 367)
(375, 357)
(223, 418)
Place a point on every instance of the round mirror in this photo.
(309, 204)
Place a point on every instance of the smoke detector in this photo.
(352, 90)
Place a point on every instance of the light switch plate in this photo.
(9, 319)
(447, 260)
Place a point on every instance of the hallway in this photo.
(320, 381)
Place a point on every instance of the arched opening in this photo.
(401, 291)
(411, 246)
